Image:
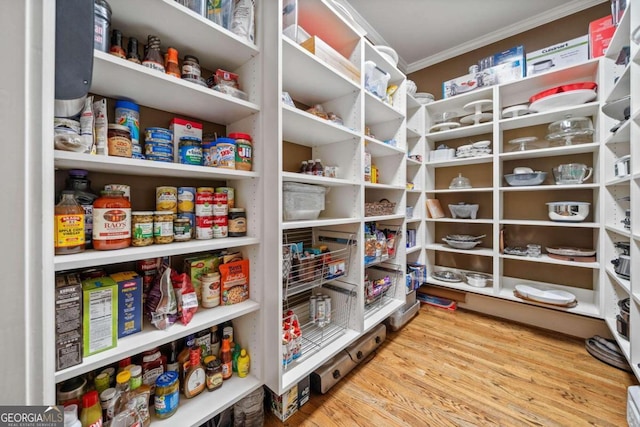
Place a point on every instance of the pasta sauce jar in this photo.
(111, 221)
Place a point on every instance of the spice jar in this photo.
(167, 395)
(142, 228)
(237, 224)
(111, 221)
(181, 229)
(119, 140)
(162, 227)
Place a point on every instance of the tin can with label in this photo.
(181, 230)
(220, 227)
(204, 227)
(167, 199)
(186, 199)
(231, 198)
(220, 207)
(204, 201)
(327, 309)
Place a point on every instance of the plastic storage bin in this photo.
(375, 79)
(302, 201)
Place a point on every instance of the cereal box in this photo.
(129, 302)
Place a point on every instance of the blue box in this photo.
(129, 302)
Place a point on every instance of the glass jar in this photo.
(111, 221)
(167, 395)
(190, 151)
(142, 228)
(119, 140)
(69, 225)
(181, 229)
(162, 227)
(190, 67)
(210, 288)
(237, 224)
(213, 372)
(172, 63)
(244, 151)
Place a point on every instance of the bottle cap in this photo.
(135, 370)
(89, 399)
(123, 377)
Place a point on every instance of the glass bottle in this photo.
(303, 167)
(195, 377)
(172, 67)
(111, 221)
(213, 370)
(68, 225)
(172, 358)
(310, 164)
(153, 58)
(318, 169)
(225, 357)
(132, 51)
(116, 45)
(215, 341)
(80, 184)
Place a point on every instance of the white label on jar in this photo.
(211, 293)
(163, 229)
(111, 223)
(190, 69)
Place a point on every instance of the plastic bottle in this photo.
(310, 164)
(243, 363)
(318, 169)
(71, 416)
(225, 357)
(303, 167)
(172, 67)
(153, 57)
(80, 184)
(69, 225)
(91, 415)
(235, 354)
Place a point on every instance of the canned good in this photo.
(167, 199)
(327, 309)
(159, 148)
(128, 114)
(320, 311)
(186, 199)
(204, 201)
(119, 140)
(71, 391)
(158, 134)
(190, 151)
(101, 26)
(225, 153)
(204, 227)
(141, 228)
(136, 149)
(160, 159)
(237, 222)
(220, 207)
(162, 227)
(231, 198)
(220, 227)
(181, 229)
(126, 190)
(244, 151)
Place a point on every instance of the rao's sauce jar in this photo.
(111, 221)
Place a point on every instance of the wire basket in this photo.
(381, 247)
(380, 286)
(381, 208)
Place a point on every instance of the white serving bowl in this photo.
(457, 244)
(568, 211)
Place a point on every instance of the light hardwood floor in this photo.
(460, 368)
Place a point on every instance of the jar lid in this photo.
(142, 213)
(135, 370)
(238, 135)
(191, 58)
(181, 220)
(108, 394)
(209, 359)
(163, 212)
(167, 379)
(127, 104)
(237, 210)
(210, 143)
(190, 138)
(123, 377)
(223, 140)
(116, 126)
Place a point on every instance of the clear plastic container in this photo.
(302, 201)
(375, 79)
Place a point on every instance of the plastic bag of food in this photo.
(133, 408)
(161, 305)
(242, 20)
(101, 127)
(86, 123)
(185, 296)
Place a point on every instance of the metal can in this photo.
(190, 151)
(158, 134)
(192, 222)
(237, 222)
(167, 199)
(181, 229)
(204, 227)
(163, 227)
(186, 199)
(320, 311)
(204, 201)
(231, 198)
(101, 26)
(220, 227)
(220, 207)
(126, 190)
(327, 309)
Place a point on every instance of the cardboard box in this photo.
(99, 315)
(304, 391)
(600, 35)
(68, 303)
(329, 55)
(284, 405)
(180, 128)
(234, 282)
(196, 266)
(459, 85)
(560, 55)
(129, 302)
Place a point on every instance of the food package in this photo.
(186, 298)
(129, 302)
(243, 19)
(101, 124)
(161, 306)
(99, 315)
(234, 282)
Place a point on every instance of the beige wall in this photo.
(430, 79)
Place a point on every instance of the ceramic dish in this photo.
(447, 276)
(444, 126)
(464, 237)
(555, 296)
(424, 97)
(481, 144)
(568, 211)
(477, 118)
(525, 179)
(563, 100)
(388, 53)
(478, 106)
(478, 280)
(457, 244)
(568, 251)
(515, 111)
